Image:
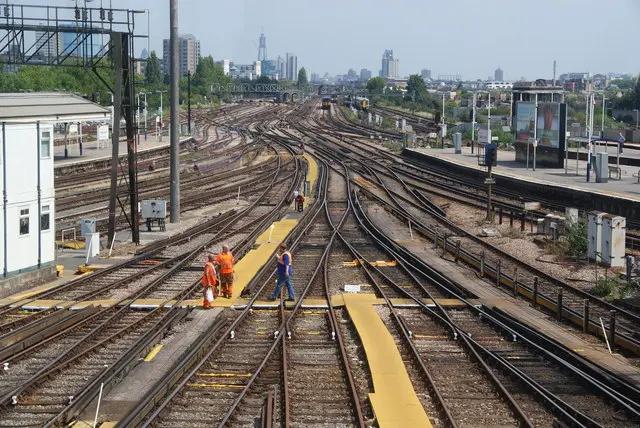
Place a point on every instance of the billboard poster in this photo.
(525, 120)
(548, 125)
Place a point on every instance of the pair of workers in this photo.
(224, 262)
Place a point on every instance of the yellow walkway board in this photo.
(312, 171)
(394, 401)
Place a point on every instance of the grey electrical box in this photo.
(87, 226)
(613, 240)
(457, 143)
(154, 208)
(602, 167)
(594, 235)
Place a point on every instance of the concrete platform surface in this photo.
(92, 152)
(627, 188)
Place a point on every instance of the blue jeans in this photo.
(283, 280)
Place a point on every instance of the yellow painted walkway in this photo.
(264, 249)
(394, 401)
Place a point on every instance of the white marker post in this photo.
(273, 226)
(410, 231)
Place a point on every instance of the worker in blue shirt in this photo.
(285, 270)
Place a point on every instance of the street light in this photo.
(637, 116)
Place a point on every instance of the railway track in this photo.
(549, 292)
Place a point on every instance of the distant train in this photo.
(361, 103)
(326, 103)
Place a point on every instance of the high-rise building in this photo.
(425, 74)
(365, 74)
(188, 54)
(281, 67)
(48, 43)
(390, 65)
(498, 75)
(262, 48)
(292, 67)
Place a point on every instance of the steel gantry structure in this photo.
(94, 38)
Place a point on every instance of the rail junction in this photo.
(446, 328)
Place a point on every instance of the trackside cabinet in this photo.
(613, 240)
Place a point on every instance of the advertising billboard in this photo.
(548, 125)
(525, 120)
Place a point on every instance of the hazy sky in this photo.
(467, 37)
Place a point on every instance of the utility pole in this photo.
(175, 112)
(589, 132)
(189, 101)
(473, 123)
(602, 127)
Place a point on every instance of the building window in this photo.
(24, 221)
(45, 217)
(45, 144)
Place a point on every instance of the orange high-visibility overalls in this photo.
(209, 280)
(225, 261)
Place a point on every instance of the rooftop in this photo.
(49, 107)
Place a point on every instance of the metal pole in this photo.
(132, 149)
(116, 42)
(589, 131)
(602, 127)
(189, 102)
(175, 112)
(473, 123)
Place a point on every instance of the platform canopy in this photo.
(51, 107)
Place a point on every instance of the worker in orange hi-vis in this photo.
(209, 282)
(225, 261)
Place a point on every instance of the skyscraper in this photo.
(188, 55)
(281, 68)
(498, 75)
(292, 67)
(49, 44)
(262, 48)
(365, 74)
(390, 65)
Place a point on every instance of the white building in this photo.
(27, 212)
(498, 85)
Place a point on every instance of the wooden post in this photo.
(585, 317)
(559, 305)
(499, 215)
(498, 269)
(515, 283)
(522, 222)
(457, 251)
(511, 219)
(535, 291)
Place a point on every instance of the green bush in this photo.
(612, 288)
(577, 239)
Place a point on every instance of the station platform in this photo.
(91, 152)
(626, 188)
(394, 401)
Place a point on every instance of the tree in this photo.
(416, 89)
(152, 72)
(376, 85)
(302, 78)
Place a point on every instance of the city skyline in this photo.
(447, 49)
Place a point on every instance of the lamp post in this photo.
(637, 116)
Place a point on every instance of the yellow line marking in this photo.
(214, 385)
(394, 401)
(154, 351)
